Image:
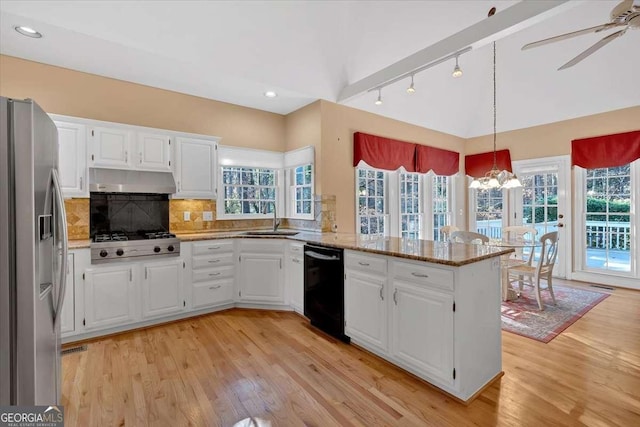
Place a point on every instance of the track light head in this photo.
(411, 89)
(457, 71)
(379, 100)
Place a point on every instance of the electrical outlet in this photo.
(187, 216)
(207, 216)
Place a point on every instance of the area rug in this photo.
(523, 317)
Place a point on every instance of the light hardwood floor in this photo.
(218, 369)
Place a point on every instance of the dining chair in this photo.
(460, 236)
(519, 233)
(446, 230)
(531, 275)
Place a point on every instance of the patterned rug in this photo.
(523, 317)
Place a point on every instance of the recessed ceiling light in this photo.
(270, 94)
(28, 31)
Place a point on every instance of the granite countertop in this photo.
(79, 244)
(452, 254)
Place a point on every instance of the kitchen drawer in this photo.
(203, 275)
(212, 246)
(423, 275)
(212, 260)
(367, 263)
(213, 292)
(296, 248)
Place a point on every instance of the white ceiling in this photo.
(308, 50)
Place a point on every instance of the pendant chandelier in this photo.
(495, 178)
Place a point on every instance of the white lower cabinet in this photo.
(260, 272)
(110, 296)
(67, 319)
(162, 288)
(422, 330)
(212, 273)
(366, 309)
(294, 270)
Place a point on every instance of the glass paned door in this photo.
(541, 203)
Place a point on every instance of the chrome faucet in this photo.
(276, 223)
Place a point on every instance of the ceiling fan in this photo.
(626, 14)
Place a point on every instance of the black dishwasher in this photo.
(324, 289)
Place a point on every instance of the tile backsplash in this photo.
(77, 218)
(324, 206)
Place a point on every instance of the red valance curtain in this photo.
(477, 165)
(441, 162)
(606, 151)
(383, 153)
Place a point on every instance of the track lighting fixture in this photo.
(411, 89)
(379, 100)
(457, 71)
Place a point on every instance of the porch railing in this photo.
(599, 234)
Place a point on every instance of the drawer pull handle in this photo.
(213, 261)
(366, 264)
(381, 294)
(213, 247)
(395, 296)
(214, 287)
(296, 260)
(419, 275)
(214, 274)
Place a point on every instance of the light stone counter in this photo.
(453, 254)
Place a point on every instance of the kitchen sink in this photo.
(271, 233)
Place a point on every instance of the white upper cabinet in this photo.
(72, 158)
(195, 168)
(110, 148)
(154, 152)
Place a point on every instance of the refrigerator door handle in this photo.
(61, 231)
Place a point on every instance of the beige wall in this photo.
(338, 125)
(72, 93)
(303, 128)
(554, 139)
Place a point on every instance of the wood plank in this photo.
(218, 369)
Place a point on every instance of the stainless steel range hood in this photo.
(130, 181)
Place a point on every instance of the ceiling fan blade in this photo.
(603, 42)
(570, 35)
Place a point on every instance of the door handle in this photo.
(61, 227)
(395, 296)
(81, 184)
(381, 294)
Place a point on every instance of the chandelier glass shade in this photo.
(495, 178)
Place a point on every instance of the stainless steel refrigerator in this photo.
(33, 255)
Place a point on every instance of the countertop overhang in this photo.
(446, 253)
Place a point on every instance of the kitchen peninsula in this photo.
(432, 308)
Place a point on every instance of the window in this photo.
(487, 212)
(410, 206)
(415, 207)
(607, 218)
(248, 191)
(301, 191)
(371, 214)
(440, 203)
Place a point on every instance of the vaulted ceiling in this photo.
(308, 50)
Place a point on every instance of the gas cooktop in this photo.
(121, 246)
